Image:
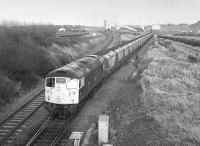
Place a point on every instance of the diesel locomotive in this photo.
(66, 88)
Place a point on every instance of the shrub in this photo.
(41, 34)
(24, 57)
(7, 89)
(19, 54)
(28, 79)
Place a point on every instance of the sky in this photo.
(94, 12)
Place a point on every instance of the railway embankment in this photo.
(170, 87)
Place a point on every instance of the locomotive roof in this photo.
(91, 61)
(76, 69)
(65, 71)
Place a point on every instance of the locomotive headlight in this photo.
(58, 99)
(72, 93)
(49, 92)
(48, 98)
(58, 88)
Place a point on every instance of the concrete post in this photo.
(103, 129)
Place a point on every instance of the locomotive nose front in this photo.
(60, 90)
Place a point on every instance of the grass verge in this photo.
(171, 93)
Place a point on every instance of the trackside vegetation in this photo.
(23, 59)
(171, 93)
(29, 51)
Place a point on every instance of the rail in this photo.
(49, 135)
(11, 123)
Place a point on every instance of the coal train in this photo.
(67, 88)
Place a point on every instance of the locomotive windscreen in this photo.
(50, 82)
(61, 80)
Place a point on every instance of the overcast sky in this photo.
(93, 12)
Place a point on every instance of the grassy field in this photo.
(171, 94)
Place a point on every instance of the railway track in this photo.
(49, 133)
(11, 125)
(185, 48)
(188, 46)
(57, 132)
(102, 46)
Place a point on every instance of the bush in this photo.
(44, 64)
(24, 57)
(7, 89)
(28, 79)
(19, 54)
(41, 34)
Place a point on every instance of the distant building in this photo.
(94, 34)
(61, 29)
(156, 27)
(107, 26)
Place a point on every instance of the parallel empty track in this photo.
(12, 123)
(49, 133)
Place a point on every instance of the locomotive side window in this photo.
(72, 84)
(50, 82)
(81, 82)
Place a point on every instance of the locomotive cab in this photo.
(62, 90)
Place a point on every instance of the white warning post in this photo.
(103, 129)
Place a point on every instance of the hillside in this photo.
(28, 53)
(171, 93)
(195, 26)
(175, 28)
